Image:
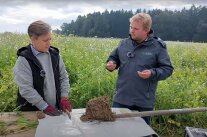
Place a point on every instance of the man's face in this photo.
(137, 32)
(42, 42)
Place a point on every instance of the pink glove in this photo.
(65, 105)
(111, 66)
(50, 110)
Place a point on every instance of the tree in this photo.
(201, 32)
(183, 25)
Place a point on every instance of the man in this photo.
(142, 60)
(40, 74)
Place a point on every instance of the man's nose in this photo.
(132, 30)
(49, 42)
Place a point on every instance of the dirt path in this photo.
(12, 129)
(29, 133)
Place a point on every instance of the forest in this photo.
(178, 25)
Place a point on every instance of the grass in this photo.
(85, 58)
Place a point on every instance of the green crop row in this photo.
(85, 58)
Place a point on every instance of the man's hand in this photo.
(50, 110)
(144, 74)
(110, 66)
(65, 105)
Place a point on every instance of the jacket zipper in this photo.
(148, 91)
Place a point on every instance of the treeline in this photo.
(178, 25)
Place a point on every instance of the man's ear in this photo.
(33, 38)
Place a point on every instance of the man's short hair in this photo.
(144, 18)
(38, 28)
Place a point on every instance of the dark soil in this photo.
(98, 109)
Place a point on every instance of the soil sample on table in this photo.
(98, 109)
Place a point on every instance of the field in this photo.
(85, 58)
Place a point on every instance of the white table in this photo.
(62, 126)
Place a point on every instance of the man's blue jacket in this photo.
(131, 57)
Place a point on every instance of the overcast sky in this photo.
(16, 15)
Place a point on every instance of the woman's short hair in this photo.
(144, 18)
(38, 28)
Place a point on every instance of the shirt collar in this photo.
(35, 52)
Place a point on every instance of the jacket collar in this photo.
(150, 37)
